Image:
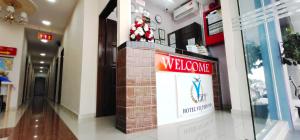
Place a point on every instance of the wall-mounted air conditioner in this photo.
(185, 10)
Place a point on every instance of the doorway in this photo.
(106, 85)
(24, 98)
(40, 86)
(61, 66)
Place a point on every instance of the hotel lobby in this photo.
(149, 69)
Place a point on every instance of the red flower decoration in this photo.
(138, 37)
(131, 32)
(146, 34)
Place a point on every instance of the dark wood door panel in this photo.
(106, 96)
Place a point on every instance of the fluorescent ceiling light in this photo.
(42, 62)
(44, 40)
(43, 54)
(46, 22)
(41, 67)
(52, 1)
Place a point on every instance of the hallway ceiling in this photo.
(59, 13)
(36, 47)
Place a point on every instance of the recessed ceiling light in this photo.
(46, 22)
(44, 40)
(42, 62)
(41, 67)
(52, 1)
(43, 54)
(41, 71)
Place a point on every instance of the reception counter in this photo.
(156, 86)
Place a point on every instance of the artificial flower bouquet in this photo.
(141, 31)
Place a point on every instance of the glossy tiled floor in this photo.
(216, 126)
(42, 122)
(39, 122)
(293, 135)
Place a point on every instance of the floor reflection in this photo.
(215, 126)
(40, 122)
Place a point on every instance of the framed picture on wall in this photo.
(161, 33)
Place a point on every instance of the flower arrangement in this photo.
(141, 31)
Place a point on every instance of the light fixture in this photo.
(36, 120)
(52, 1)
(11, 15)
(35, 136)
(42, 62)
(41, 71)
(43, 54)
(44, 40)
(46, 22)
(41, 67)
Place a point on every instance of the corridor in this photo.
(39, 122)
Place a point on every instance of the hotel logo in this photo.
(197, 91)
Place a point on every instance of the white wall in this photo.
(72, 43)
(168, 24)
(167, 20)
(124, 20)
(13, 36)
(79, 83)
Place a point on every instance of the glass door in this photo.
(263, 62)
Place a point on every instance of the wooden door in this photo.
(106, 97)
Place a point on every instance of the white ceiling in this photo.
(59, 13)
(169, 4)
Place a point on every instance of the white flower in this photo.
(146, 27)
(143, 39)
(132, 36)
(140, 31)
(140, 21)
(133, 28)
(136, 32)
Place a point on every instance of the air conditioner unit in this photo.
(185, 10)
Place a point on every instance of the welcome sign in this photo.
(193, 83)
